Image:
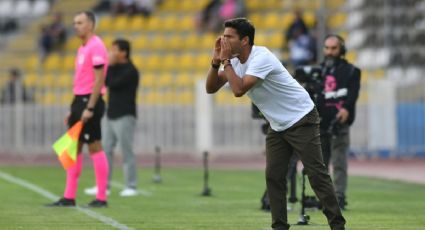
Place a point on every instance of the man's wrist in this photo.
(215, 65)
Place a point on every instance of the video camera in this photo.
(312, 79)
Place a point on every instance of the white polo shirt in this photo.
(279, 97)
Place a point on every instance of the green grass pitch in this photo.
(176, 202)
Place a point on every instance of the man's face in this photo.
(82, 25)
(115, 54)
(332, 47)
(232, 37)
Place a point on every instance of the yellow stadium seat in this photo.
(286, 20)
(192, 41)
(64, 80)
(256, 19)
(148, 80)
(31, 79)
(72, 44)
(169, 62)
(186, 61)
(153, 62)
(69, 62)
(186, 23)
(49, 98)
(184, 97)
(309, 18)
(53, 62)
(33, 63)
(184, 80)
(272, 21)
(137, 24)
(351, 56)
(153, 23)
(105, 24)
(203, 61)
(337, 20)
(175, 42)
(138, 61)
(276, 40)
(140, 42)
(158, 42)
(165, 80)
(260, 39)
(66, 98)
(208, 41)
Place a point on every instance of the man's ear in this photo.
(245, 40)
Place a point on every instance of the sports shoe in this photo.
(128, 192)
(97, 204)
(62, 202)
(93, 191)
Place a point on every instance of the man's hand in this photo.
(66, 119)
(342, 115)
(86, 115)
(226, 49)
(217, 50)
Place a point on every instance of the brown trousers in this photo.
(303, 138)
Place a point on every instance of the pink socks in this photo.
(72, 175)
(101, 171)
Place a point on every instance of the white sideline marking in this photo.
(53, 197)
(140, 191)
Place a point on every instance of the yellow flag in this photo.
(66, 146)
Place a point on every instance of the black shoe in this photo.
(62, 202)
(97, 204)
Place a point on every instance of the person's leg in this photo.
(325, 139)
(125, 129)
(340, 146)
(278, 153)
(101, 169)
(72, 175)
(304, 137)
(109, 141)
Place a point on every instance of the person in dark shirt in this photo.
(337, 110)
(15, 90)
(122, 81)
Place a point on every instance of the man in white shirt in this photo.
(294, 121)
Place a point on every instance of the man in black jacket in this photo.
(337, 110)
(122, 79)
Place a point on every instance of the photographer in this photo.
(337, 110)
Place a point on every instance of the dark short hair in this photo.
(243, 27)
(90, 15)
(123, 45)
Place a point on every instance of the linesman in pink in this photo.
(89, 86)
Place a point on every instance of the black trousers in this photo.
(303, 138)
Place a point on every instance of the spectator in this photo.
(302, 48)
(14, 90)
(57, 30)
(52, 36)
(296, 27)
(45, 42)
(207, 18)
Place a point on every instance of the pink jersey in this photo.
(92, 54)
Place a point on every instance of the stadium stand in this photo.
(167, 47)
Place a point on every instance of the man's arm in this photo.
(122, 79)
(98, 83)
(353, 93)
(215, 78)
(238, 85)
